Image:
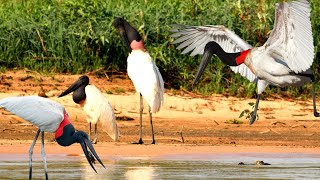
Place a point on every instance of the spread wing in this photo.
(291, 38)
(194, 38)
(42, 112)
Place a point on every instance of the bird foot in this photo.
(153, 142)
(94, 141)
(316, 114)
(139, 142)
(253, 118)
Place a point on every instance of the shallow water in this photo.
(180, 166)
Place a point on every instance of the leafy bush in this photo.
(77, 36)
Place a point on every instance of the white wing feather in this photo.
(98, 108)
(196, 37)
(42, 112)
(146, 78)
(291, 38)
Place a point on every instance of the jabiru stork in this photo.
(284, 60)
(95, 105)
(49, 116)
(142, 70)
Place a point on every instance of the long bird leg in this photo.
(150, 115)
(254, 114)
(31, 152)
(316, 114)
(141, 111)
(90, 130)
(95, 134)
(44, 155)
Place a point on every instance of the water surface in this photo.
(180, 166)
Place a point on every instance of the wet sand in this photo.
(131, 150)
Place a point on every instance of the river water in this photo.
(178, 166)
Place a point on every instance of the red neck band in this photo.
(242, 57)
(64, 122)
(135, 45)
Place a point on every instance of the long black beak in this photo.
(118, 23)
(207, 54)
(125, 38)
(80, 82)
(90, 154)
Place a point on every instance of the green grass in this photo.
(77, 36)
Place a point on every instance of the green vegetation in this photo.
(119, 90)
(77, 36)
(247, 113)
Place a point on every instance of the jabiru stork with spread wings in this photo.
(284, 60)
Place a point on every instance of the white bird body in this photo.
(284, 60)
(146, 78)
(98, 108)
(274, 71)
(44, 113)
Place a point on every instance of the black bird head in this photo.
(67, 136)
(78, 89)
(213, 48)
(129, 34)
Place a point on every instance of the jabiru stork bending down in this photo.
(52, 117)
(284, 60)
(142, 71)
(95, 105)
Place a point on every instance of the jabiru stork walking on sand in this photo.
(95, 105)
(284, 60)
(49, 116)
(142, 71)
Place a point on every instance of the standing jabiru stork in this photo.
(52, 117)
(95, 105)
(142, 71)
(284, 60)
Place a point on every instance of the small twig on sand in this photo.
(266, 131)
(216, 122)
(269, 130)
(108, 78)
(182, 139)
(96, 71)
(172, 139)
(275, 131)
(277, 122)
(294, 126)
(312, 125)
